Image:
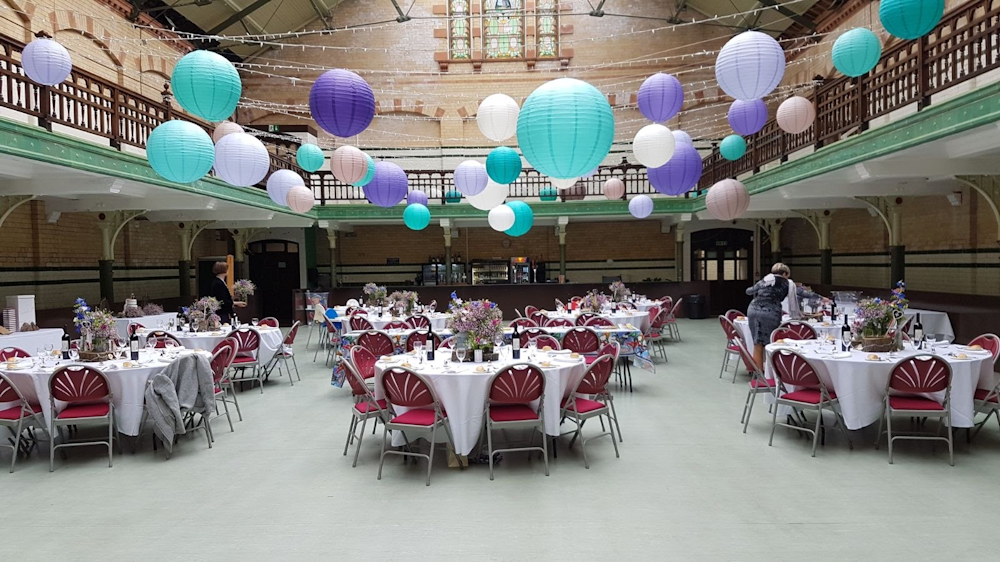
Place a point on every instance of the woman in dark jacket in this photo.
(220, 291)
(764, 313)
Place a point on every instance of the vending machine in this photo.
(521, 270)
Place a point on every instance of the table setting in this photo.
(270, 338)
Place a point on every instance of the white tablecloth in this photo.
(439, 321)
(824, 329)
(463, 396)
(647, 305)
(638, 319)
(270, 340)
(935, 322)
(32, 340)
(860, 383)
(151, 321)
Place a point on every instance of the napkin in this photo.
(841, 355)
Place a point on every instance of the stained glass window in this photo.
(503, 29)
(458, 33)
(502, 33)
(547, 30)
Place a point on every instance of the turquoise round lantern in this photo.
(548, 194)
(369, 176)
(180, 151)
(417, 216)
(503, 165)
(565, 128)
(523, 218)
(207, 85)
(310, 157)
(856, 52)
(733, 147)
(910, 19)
(453, 196)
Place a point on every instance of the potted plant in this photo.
(478, 322)
(593, 301)
(404, 302)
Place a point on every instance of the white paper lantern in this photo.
(280, 182)
(750, 65)
(225, 128)
(300, 199)
(727, 200)
(653, 145)
(795, 115)
(46, 62)
(640, 206)
(241, 159)
(564, 183)
(501, 217)
(492, 196)
(497, 117)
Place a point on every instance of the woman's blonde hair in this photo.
(780, 269)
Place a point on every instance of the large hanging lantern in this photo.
(524, 218)
(614, 188)
(732, 147)
(46, 61)
(389, 186)
(680, 174)
(910, 19)
(241, 159)
(225, 128)
(548, 193)
(300, 199)
(750, 65)
(416, 196)
(497, 117)
(681, 137)
(640, 206)
(369, 173)
(727, 200)
(795, 115)
(416, 216)
(564, 183)
(206, 84)
(653, 145)
(180, 151)
(342, 103)
(349, 164)
(310, 157)
(501, 217)
(492, 196)
(747, 117)
(503, 165)
(660, 97)
(856, 52)
(471, 177)
(565, 128)
(280, 183)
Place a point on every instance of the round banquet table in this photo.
(270, 339)
(824, 329)
(30, 341)
(463, 392)
(860, 383)
(646, 305)
(637, 319)
(128, 385)
(935, 322)
(151, 321)
(439, 321)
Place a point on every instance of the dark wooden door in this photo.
(724, 258)
(274, 267)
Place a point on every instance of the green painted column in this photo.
(107, 278)
(331, 237)
(679, 252)
(897, 264)
(184, 278)
(825, 266)
(561, 233)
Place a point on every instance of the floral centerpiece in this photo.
(202, 313)
(150, 309)
(404, 301)
(97, 331)
(132, 312)
(876, 317)
(593, 300)
(618, 291)
(243, 289)
(374, 294)
(479, 322)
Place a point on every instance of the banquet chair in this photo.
(796, 330)
(247, 356)
(357, 312)
(365, 407)
(406, 388)
(509, 406)
(579, 409)
(529, 311)
(783, 333)
(222, 358)
(86, 395)
(331, 341)
(396, 325)
(582, 340)
(987, 400)
(613, 349)
(353, 303)
(759, 383)
(160, 339)
(626, 305)
(21, 418)
(731, 351)
(225, 381)
(377, 342)
(734, 314)
(656, 335)
(418, 321)
(531, 333)
(360, 323)
(316, 323)
(558, 322)
(285, 352)
(12, 352)
(422, 335)
(670, 321)
(790, 368)
(132, 328)
(909, 379)
(988, 341)
(523, 322)
(582, 319)
(575, 299)
(449, 342)
(362, 360)
(543, 340)
(268, 321)
(350, 310)
(598, 322)
(539, 318)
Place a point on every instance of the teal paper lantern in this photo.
(206, 84)
(310, 157)
(369, 176)
(417, 216)
(453, 196)
(503, 165)
(910, 19)
(733, 147)
(856, 52)
(565, 128)
(548, 194)
(180, 151)
(523, 217)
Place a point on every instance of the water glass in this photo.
(461, 352)
(254, 321)
(418, 349)
(532, 348)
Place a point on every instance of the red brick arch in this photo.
(87, 26)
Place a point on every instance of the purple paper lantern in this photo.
(342, 103)
(747, 117)
(679, 174)
(389, 185)
(471, 177)
(416, 196)
(660, 97)
(640, 206)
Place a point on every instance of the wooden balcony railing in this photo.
(965, 44)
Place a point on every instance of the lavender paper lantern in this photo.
(342, 103)
(416, 196)
(389, 185)
(640, 206)
(680, 174)
(614, 188)
(682, 138)
(727, 200)
(46, 61)
(795, 115)
(747, 117)
(660, 97)
(241, 159)
(471, 177)
(300, 199)
(280, 183)
(750, 65)
(349, 164)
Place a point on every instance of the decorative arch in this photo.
(87, 26)
(23, 11)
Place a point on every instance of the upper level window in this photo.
(502, 30)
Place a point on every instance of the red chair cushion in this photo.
(218, 389)
(417, 417)
(84, 411)
(14, 413)
(589, 359)
(584, 405)
(733, 347)
(364, 407)
(981, 395)
(914, 404)
(654, 335)
(512, 413)
(244, 360)
(755, 383)
(811, 396)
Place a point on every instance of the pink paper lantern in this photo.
(300, 199)
(727, 200)
(349, 164)
(614, 188)
(795, 115)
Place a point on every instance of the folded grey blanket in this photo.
(184, 385)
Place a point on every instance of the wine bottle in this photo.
(515, 343)
(845, 335)
(833, 309)
(65, 346)
(429, 345)
(918, 332)
(133, 345)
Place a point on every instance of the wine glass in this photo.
(418, 349)
(254, 321)
(461, 352)
(532, 348)
(498, 343)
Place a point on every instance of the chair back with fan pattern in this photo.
(269, 321)
(583, 318)
(543, 340)
(800, 330)
(529, 333)
(231, 343)
(222, 358)
(517, 384)
(11, 353)
(920, 374)
(793, 369)
(421, 336)
(595, 380)
(582, 340)
(160, 338)
(405, 388)
(539, 318)
(248, 339)
(523, 322)
(363, 361)
(377, 342)
(990, 342)
(79, 384)
(418, 321)
(9, 393)
(612, 349)
(360, 323)
(396, 325)
(557, 322)
(530, 310)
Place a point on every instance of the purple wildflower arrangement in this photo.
(131, 312)
(151, 309)
(875, 316)
(618, 291)
(374, 294)
(594, 300)
(404, 301)
(480, 321)
(243, 289)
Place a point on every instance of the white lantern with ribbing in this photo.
(501, 217)
(46, 61)
(279, 184)
(497, 117)
(653, 145)
(727, 200)
(241, 159)
(492, 196)
(750, 65)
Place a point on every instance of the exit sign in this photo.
(273, 128)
